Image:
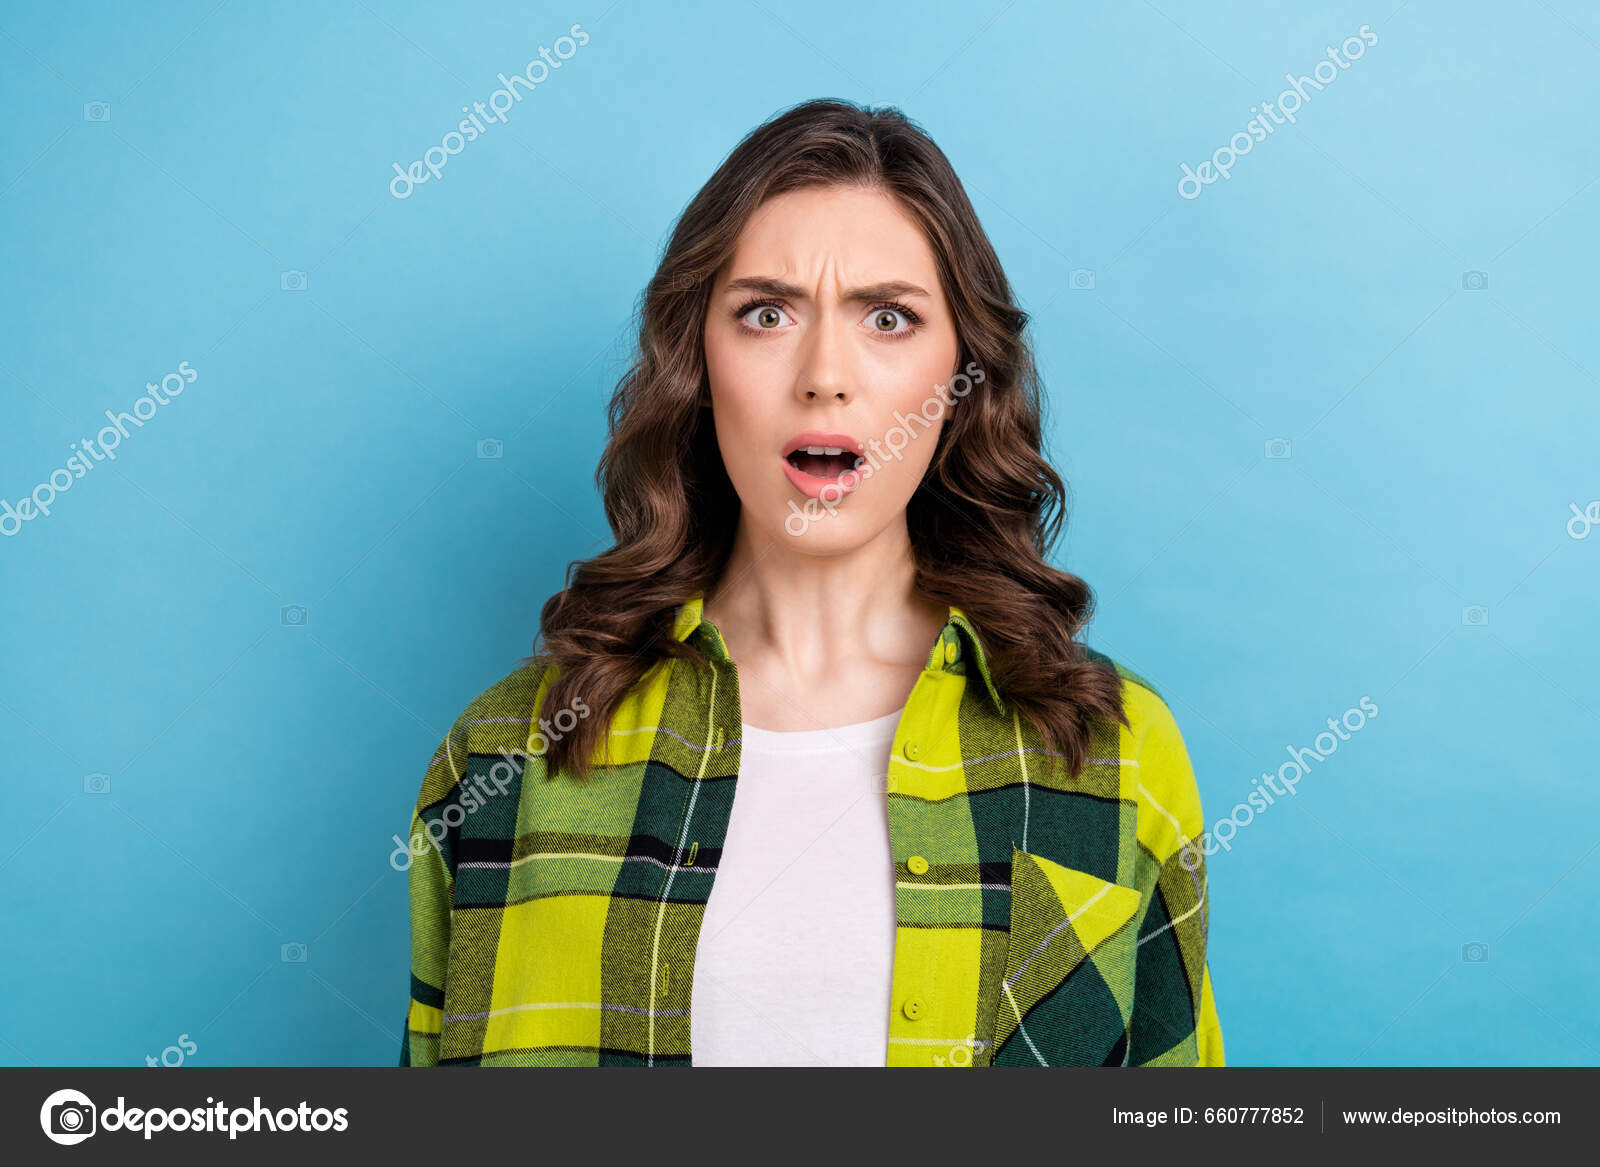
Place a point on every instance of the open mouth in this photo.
(823, 464)
(826, 462)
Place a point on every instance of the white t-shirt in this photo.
(796, 950)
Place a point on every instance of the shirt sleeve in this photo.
(431, 866)
(1174, 1020)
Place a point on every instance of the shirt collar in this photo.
(956, 639)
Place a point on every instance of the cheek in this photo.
(738, 376)
(917, 414)
(741, 406)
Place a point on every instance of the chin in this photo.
(815, 530)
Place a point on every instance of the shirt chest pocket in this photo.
(1067, 993)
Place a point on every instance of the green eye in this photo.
(761, 317)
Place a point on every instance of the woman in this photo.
(961, 838)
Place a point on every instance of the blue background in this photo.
(327, 457)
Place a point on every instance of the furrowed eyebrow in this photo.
(768, 286)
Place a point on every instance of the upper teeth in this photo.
(824, 450)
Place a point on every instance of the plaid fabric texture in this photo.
(1042, 920)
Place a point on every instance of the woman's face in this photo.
(828, 330)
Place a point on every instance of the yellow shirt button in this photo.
(917, 865)
(950, 651)
(911, 750)
(912, 1008)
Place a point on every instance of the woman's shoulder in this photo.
(502, 715)
(1146, 708)
(1130, 679)
(1153, 742)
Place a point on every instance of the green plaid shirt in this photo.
(1042, 919)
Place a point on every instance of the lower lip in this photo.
(812, 487)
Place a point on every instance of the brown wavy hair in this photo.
(981, 522)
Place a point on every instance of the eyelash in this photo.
(914, 320)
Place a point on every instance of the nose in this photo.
(826, 371)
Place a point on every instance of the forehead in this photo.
(859, 235)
